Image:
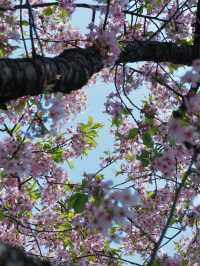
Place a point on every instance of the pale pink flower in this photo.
(190, 77)
(193, 104)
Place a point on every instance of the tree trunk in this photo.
(72, 69)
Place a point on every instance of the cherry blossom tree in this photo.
(45, 217)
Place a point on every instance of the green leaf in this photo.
(156, 263)
(130, 157)
(138, 26)
(48, 11)
(172, 68)
(140, 9)
(57, 155)
(144, 158)
(187, 41)
(117, 121)
(126, 111)
(77, 202)
(64, 13)
(33, 189)
(184, 263)
(147, 140)
(2, 52)
(90, 121)
(15, 129)
(25, 23)
(89, 134)
(21, 104)
(151, 194)
(1, 215)
(148, 5)
(97, 125)
(149, 120)
(64, 226)
(133, 133)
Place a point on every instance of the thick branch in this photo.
(73, 68)
(138, 51)
(197, 29)
(10, 256)
(69, 71)
(43, 5)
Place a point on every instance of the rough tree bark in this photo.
(155, 51)
(12, 256)
(73, 68)
(69, 71)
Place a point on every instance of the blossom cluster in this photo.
(108, 208)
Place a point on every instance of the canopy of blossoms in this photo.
(153, 200)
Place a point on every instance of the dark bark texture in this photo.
(69, 71)
(154, 51)
(73, 68)
(11, 256)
